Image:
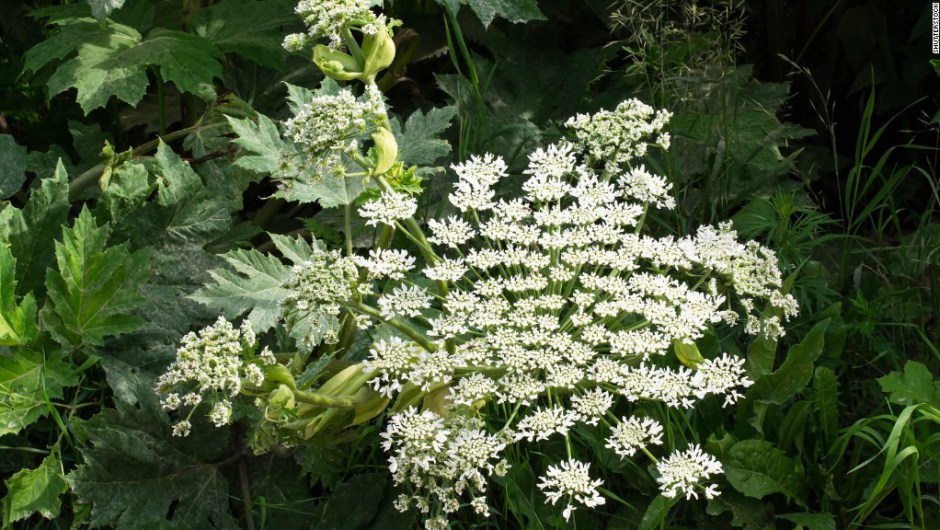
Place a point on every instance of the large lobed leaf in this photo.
(94, 290)
(135, 475)
(115, 63)
(488, 10)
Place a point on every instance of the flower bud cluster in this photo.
(213, 364)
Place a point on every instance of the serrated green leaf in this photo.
(134, 471)
(101, 71)
(65, 40)
(116, 65)
(915, 385)
(795, 372)
(195, 212)
(32, 491)
(27, 382)
(419, 141)
(323, 463)
(32, 230)
(101, 9)
(329, 191)
(756, 468)
(253, 285)
(262, 140)
(811, 521)
(12, 166)
(188, 61)
(249, 28)
(17, 321)
(512, 10)
(94, 290)
(296, 249)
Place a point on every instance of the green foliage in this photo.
(12, 166)
(756, 468)
(17, 321)
(915, 385)
(488, 10)
(133, 472)
(28, 383)
(94, 289)
(34, 491)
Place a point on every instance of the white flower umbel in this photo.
(632, 434)
(683, 472)
(388, 208)
(218, 360)
(619, 136)
(327, 18)
(385, 263)
(572, 480)
(328, 126)
(557, 304)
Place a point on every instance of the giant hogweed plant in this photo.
(517, 319)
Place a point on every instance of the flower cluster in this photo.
(315, 290)
(330, 125)
(216, 362)
(559, 307)
(682, 473)
(443, 458)
(328, 18)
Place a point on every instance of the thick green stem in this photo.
(394, 322)
(333, 402)
(88, 178)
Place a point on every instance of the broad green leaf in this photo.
(811, 521)
(353, 504)
(191, 211)
(796, 370)
(419, 142)
(262, 140)
(100, 71)
(17, 321)
(94, 290)
(34, 491)
(253, 284)
(249, 28)
(116, 65)
(296, 249)
(915, 385)
(12, 166)
(27, 383)
(826, 386)
(656, 512)
(329, 191)
(66, 40)
(323, 463)
(127, 191)
(747, 513)
(136, 475)
(33, 229)
(100, 9)
(487, 10)
(188, 61)
(756, 468)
